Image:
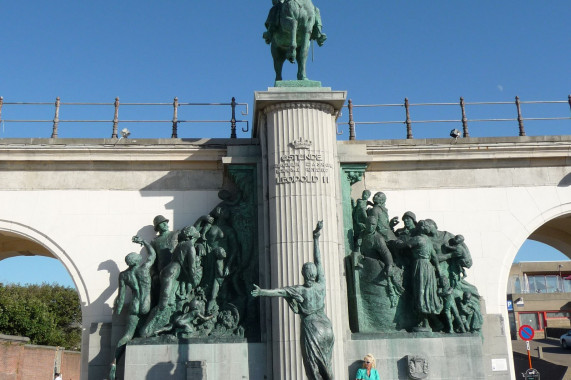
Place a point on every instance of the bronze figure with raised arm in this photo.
(308, 300)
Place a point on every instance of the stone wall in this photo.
(82, 200)
(22, 361)
(495, 192)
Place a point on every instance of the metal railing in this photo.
(463, 121)
(174, 122)
(539, 284)
(353, 120)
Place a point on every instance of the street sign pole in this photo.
(527, 333)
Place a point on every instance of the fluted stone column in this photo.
(297, 132)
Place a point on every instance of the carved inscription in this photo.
(307, 167)
(301, 165)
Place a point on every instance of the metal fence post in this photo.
(56, 120)
(408, 122)
(351, 122)
(174, 134)
(519, 117)
(568, 99)
(464, 119)
(115, 119)
(233, 120)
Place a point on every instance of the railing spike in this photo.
(407, 121)
(56, 120)
(519, 117)
(174, 134)
(115, 119)
(465, 132)
(351, 121)
(233, 119)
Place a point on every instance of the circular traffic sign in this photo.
(526, 332)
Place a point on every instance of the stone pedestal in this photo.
(297, 132)
(448, 357)
(195, 361)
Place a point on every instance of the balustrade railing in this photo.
(355, 119)
(356, 116)
(116, 121)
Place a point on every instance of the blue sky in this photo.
(209, 51)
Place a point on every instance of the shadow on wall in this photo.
(101, 302)
(565, 181)
(166, 370)
(162, 370)
(353, 367)
(402, 366)
(104, 333)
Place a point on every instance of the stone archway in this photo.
(551, 227)
(555, 233)
(17, 239)
(20, 240)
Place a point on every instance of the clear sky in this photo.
(209, 51)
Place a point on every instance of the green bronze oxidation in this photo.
(297, 83)
(290, 26)
(194, 283)
(308, 300)
(408, 279)
(136, 277)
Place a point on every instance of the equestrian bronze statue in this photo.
(291, 24)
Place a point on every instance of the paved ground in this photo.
(552, 353)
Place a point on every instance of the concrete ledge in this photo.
(458, 357)
(15, 339)
(219, 361)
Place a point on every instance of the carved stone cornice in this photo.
(300, 105)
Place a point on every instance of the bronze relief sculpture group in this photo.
(408, 279)
(192, 283)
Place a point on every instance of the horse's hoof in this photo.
(290, 57)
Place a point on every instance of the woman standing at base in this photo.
(368, 372)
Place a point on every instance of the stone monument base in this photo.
(199, 361)
(297, 83)
(458, 357)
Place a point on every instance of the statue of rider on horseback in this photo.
(290, 26)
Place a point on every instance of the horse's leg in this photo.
(290, 24)
(302, 55)
(279, 58)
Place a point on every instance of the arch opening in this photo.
(21, 244)
(12, 244)
(555, 233)
(539, 292)
(20, 240)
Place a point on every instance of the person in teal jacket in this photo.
(368, 372)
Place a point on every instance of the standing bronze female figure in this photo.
(308, 300)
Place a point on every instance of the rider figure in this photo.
(273, 21)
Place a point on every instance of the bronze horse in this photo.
(291, 24)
